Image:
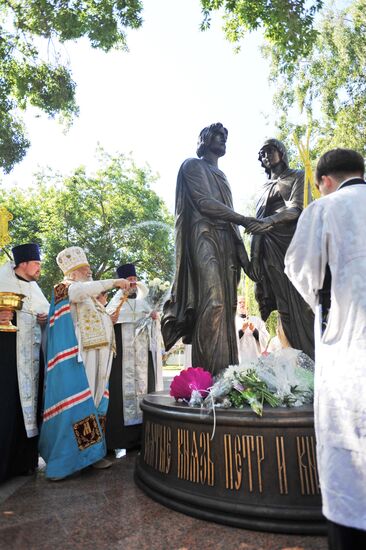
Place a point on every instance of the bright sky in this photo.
(153, 101)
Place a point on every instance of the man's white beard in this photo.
(80, 279)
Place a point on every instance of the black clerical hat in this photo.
(126, 270)
(26, 253)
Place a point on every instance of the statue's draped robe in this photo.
(282, 199)
(202, 306)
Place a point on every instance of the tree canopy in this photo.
(114, 215)
(317, 51)
(329, 85)
(318, 62)
(31, 67)
(287, 24)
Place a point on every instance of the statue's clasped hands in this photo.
(256, 226)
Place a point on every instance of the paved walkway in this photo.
(104, 510)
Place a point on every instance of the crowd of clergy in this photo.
(62, 370)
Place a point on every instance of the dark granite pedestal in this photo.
(237, 468)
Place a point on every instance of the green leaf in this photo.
(26, 26)
(114, 215)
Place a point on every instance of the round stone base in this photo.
(232, 467)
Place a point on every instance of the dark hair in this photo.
(340, 163)
(206, 135)
(280, 148)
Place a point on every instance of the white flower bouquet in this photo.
(156, 297)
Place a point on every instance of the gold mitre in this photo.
(71, 258)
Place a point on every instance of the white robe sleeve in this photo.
(112, 305)
(306, 258)
(80, 291)
(263, 334)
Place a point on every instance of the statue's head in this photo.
(206, 136)
(272, 146)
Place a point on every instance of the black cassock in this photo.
(119, 436)
(18, 453)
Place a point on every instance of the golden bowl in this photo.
(12, 301)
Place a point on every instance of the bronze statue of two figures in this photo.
(210, 254)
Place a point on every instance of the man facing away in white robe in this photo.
(326, 262)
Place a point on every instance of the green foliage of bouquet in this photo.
(249, 389)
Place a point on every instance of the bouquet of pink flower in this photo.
(194, 379)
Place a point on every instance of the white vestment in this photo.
(29, 340)
(187, 358)
(331, 231)
(248, 346)
(97, 361)
(274, 345)
(135, 347)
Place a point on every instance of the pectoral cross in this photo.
(133, 309)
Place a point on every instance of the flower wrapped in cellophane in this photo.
(281, 379)
(158, 292)
(191, 385)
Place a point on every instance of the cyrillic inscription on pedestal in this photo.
(240, 454)
(158, 446)
(257, 473)
(194, 457)
(307, 465)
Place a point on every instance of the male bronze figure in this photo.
(209, 253)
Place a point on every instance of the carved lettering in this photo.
(306, 458)
(241, 452)
(157, 446)
(281, 465)
(194, 457)
(238, 461)
(260, 457)
(228, 462)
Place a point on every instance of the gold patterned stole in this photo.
(90, 321)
